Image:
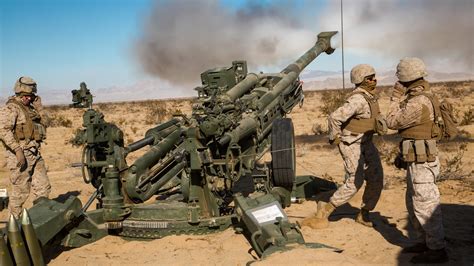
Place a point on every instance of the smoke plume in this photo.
(182, 39)
(438, 31)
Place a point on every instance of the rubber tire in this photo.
(283, 153)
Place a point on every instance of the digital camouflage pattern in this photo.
(12, 115)
(423, 203)
(356, 106)
(34, 176)
(359, 72)
(407, 111)
(361, 157)
(411, 68)
(422, 195)
(25, 85)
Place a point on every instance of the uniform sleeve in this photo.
(351, 107)
(402, 115)
(8, 117)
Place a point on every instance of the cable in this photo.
(342, 46)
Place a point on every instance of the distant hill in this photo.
(157, 89)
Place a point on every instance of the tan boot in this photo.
(320, 219)
(363, 218)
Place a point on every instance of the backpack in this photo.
(444, 118)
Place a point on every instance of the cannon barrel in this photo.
(140, 144)
(242, 87)
(150, 158)
(157, 151)
(323, 44)
(270, 99)
(152, 136)
(292, 71)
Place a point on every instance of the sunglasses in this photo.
(371, 78)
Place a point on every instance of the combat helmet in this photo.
(25, 86)
(411, 68)
(359, 72)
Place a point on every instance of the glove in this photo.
(37, 104)
(20, 157)
(335, 141)
(398, 90)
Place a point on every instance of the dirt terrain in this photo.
(361, 245)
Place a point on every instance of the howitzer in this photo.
(197, 166)
(81, 98)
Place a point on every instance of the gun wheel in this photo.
(86, 159)
(90, 174)
(283, 153)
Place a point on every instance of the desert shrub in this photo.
(60, 121)
(452, 168)
(177, 111)
(452, 89)
(332, 99)
(106, 107)
(77, 138)
(318, 129)
(468, 117)
(56, 108)
(157, 113)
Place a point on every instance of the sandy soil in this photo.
(361, 245)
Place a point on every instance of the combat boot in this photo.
(431, 256)
(320, 219)
(363, 218)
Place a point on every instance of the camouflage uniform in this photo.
(33, 174)
(361, 157)
(422, 195)
(351, 127)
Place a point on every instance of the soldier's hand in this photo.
(20, 157)
(335, 141)
(37, 104)
(398, 90)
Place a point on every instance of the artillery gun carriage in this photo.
(200, 173)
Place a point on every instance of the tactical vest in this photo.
(427, 129)
(32, 129)
(364, 125)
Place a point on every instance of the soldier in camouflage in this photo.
(412, 113)
(22, 130)
(351, 128)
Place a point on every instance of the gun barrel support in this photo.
(140, 144)
(149, 159)
(162, 181)
(242, 87)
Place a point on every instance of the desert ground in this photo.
(361, 245)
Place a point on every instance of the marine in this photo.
(414, 112)
(23, 123)
(351, 128)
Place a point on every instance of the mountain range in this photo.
(158, 89)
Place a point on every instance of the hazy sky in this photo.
(116, 43)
